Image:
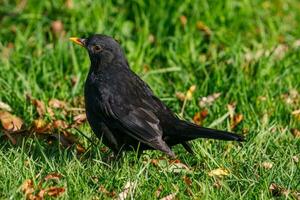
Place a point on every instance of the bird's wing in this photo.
(140, 123)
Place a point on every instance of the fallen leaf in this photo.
(219, 172)
(158, 191)
(197, 118)
(53, 176)
(204, 113)
(217, 184)
(267, 165)
(209, 100)
(292, 97)
(180, 96)
(129, 187)
(277, 190)
(40, 107)
(237, 119)
(5, 107)
(170, 196)
(200, 116)
(204, 28)
(10, 122)
(178, 168)
(103, 190)
(280, 51)
(27, 188)
(54, 191)
(40, 126)
(69, 4)
(231, 109)
(79, 119)
(74, 80)
(183, 20)
(60, 124)
(55, 103)
(295, 132)
(154, 162)
(80, 149)
(57, 28)
(189, 93)
(187, 180)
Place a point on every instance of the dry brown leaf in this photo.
(197, 118)
(57, 28)
(69, 4)
(177, 167)
(237, 119)
(180, 96)
(170, 196)
(154, 162)
(79, 119)
(292, 97)
(219, 172)
(209, 100)
(103, 190)
(129, 187)
(200, 116)
(27, 188)
(60, 124)
(187, 180)
(189, 93)
(204, 28)
(267, 165)
(231, 109)
(204, 113)
(280, 51)
(217, 184)
(40, 126)
(80, 149)
(55, 103)
(53, 176)
(158, 191)
(40, 107)
(183, 20)
(10, 122)
(5, 107)
(277, 190)
(295, 132)
(54, 191)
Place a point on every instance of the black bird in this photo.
(122, 109)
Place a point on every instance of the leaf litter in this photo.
(43, 128)
(38, 192)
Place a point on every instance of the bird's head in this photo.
(102, 49)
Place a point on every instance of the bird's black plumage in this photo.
(122, 109)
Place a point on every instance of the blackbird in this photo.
(122, 109)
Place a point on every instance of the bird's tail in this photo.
(190, 131)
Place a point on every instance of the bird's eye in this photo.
(97, 48)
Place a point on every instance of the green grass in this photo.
(42, 65)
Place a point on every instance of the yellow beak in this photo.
(79, 41)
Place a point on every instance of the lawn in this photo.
(247, 52)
